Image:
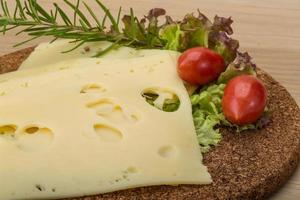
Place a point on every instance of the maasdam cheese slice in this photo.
(84, 128)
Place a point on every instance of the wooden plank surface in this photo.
(269, 30)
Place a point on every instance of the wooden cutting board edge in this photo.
(231, 181)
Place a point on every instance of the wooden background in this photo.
(269, 30)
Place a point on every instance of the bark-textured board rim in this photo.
(250, 165)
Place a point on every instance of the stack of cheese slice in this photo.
(81, 127)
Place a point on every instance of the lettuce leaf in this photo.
(225, 46)
(199, 31)
(143, 33)
(207, 134)
(152, 36)
(172, 36)
(207, 114)
(241, 65)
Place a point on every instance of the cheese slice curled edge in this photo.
(86, 129)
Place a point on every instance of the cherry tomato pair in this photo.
(245, 96)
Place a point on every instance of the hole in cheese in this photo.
(40, 187)
(104, 102)
(162, 99)
(92, 88)
(118, 109)
(8, 131)
(167, 151)
(35, 138)
(102, 106)
(112, 111)
(37, 130)
(117, 115)
(132, 170)
(108, 133)
(32, 130)
(135, 117)
(108, 109)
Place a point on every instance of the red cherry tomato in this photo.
(244, 99)
(199, 66)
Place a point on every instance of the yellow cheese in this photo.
(50, 53)
(83, 127)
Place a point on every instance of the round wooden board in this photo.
(249, 165)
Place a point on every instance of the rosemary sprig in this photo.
(134, 32)
(37, 22)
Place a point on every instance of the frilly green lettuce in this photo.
(207, 114)
(172, 36)
(241, 65)
(199, 31)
